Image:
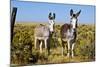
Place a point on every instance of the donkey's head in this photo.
(51, 21)
(74, 19)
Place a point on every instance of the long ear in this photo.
(49, 15)
(71, 12)
(77, 14)
(54, 15)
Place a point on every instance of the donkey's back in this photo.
(41, 31)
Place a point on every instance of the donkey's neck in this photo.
(71, 29)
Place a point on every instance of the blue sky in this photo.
(35, 11)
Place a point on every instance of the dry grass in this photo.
(84, 50)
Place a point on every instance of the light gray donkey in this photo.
(43, 33)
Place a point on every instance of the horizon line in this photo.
(55, 22)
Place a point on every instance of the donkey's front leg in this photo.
(62, 48)
(41, 47)
(72, 50)
(45, 42)
(68, 48)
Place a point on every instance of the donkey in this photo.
(68, 33)
(44, 33)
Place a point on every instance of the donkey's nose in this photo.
(52, 32)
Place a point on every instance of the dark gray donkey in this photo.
(43, 32)
(68, 33)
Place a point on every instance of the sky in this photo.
(38, 12)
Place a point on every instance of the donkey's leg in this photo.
(48, 46)
(68, 48)
(35, 42)
(41, 47)
(45, 42)
(62, 51)
(72, 50)
(62, 48)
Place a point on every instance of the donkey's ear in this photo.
(71, 12)
(49, 16)
(54, 15)
(78, 13)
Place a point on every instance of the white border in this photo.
(4, 33)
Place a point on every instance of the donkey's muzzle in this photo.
(52, 32)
